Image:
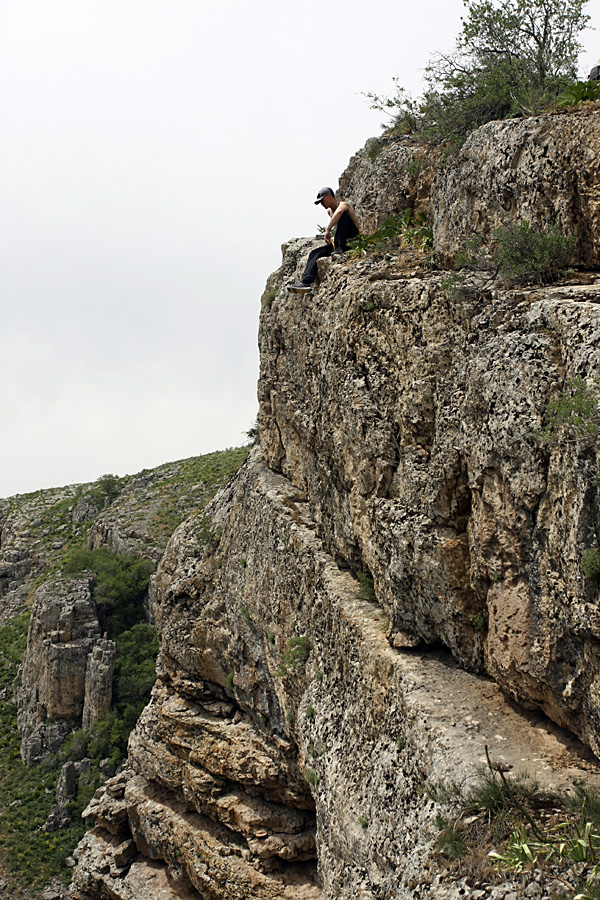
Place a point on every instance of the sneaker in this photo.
(300, 288)
(339, 252)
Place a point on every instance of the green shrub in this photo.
(110, 486)
(374, 148)
(579, 92)
(366, 590)
(451, 839)
(311, 777)
(13, 641)
(229, 682)
(406, 228)
(209, 534)
(573, 417)
(479, 622)
(267, 301)
(121, 585)
(590, 563)
(135, 668)
(524, 254)
(298, 651)
(245, 613)
(363, 821)
(253, 434)
(309, 712)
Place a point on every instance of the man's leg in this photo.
(310, 272)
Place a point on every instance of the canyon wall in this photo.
(391, 586)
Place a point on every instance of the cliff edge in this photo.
(390, 589)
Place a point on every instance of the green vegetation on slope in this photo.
(121, 584)
(201, 476)
(29, 855)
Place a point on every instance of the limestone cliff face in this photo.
(297, 719)
(63, 632)
(543, 170)
(407, 418)
(247, 746)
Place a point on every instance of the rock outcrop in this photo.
(302, 715)
(98, 681)
(388, 176)
(33, 533)
(320, 721)
(408, 418)
(542, 170)
(63, 633)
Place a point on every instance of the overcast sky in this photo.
(155, 155)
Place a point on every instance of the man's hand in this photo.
(327, 235)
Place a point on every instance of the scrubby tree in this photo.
(538, 38)
(511, 57)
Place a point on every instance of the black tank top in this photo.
(344, 230)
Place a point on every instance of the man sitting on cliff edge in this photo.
(343, 218)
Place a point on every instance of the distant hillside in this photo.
(74, 565)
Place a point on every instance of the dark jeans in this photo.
(310, 272)
(345, 229)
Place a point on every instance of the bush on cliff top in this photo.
(512, 57)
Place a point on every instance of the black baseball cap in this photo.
(323, 193)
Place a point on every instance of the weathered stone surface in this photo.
(215, 791)
(543, 170)
(98, 877)
(108, 806)
(62, 632)
(98, 681)
(410, 432)
(294, 726)
(389, 175)
(66, 789)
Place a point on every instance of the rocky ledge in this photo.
(231, 773)
(390, 590)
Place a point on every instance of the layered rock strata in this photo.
(300, 718)
(346, 734)
(67, 667)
